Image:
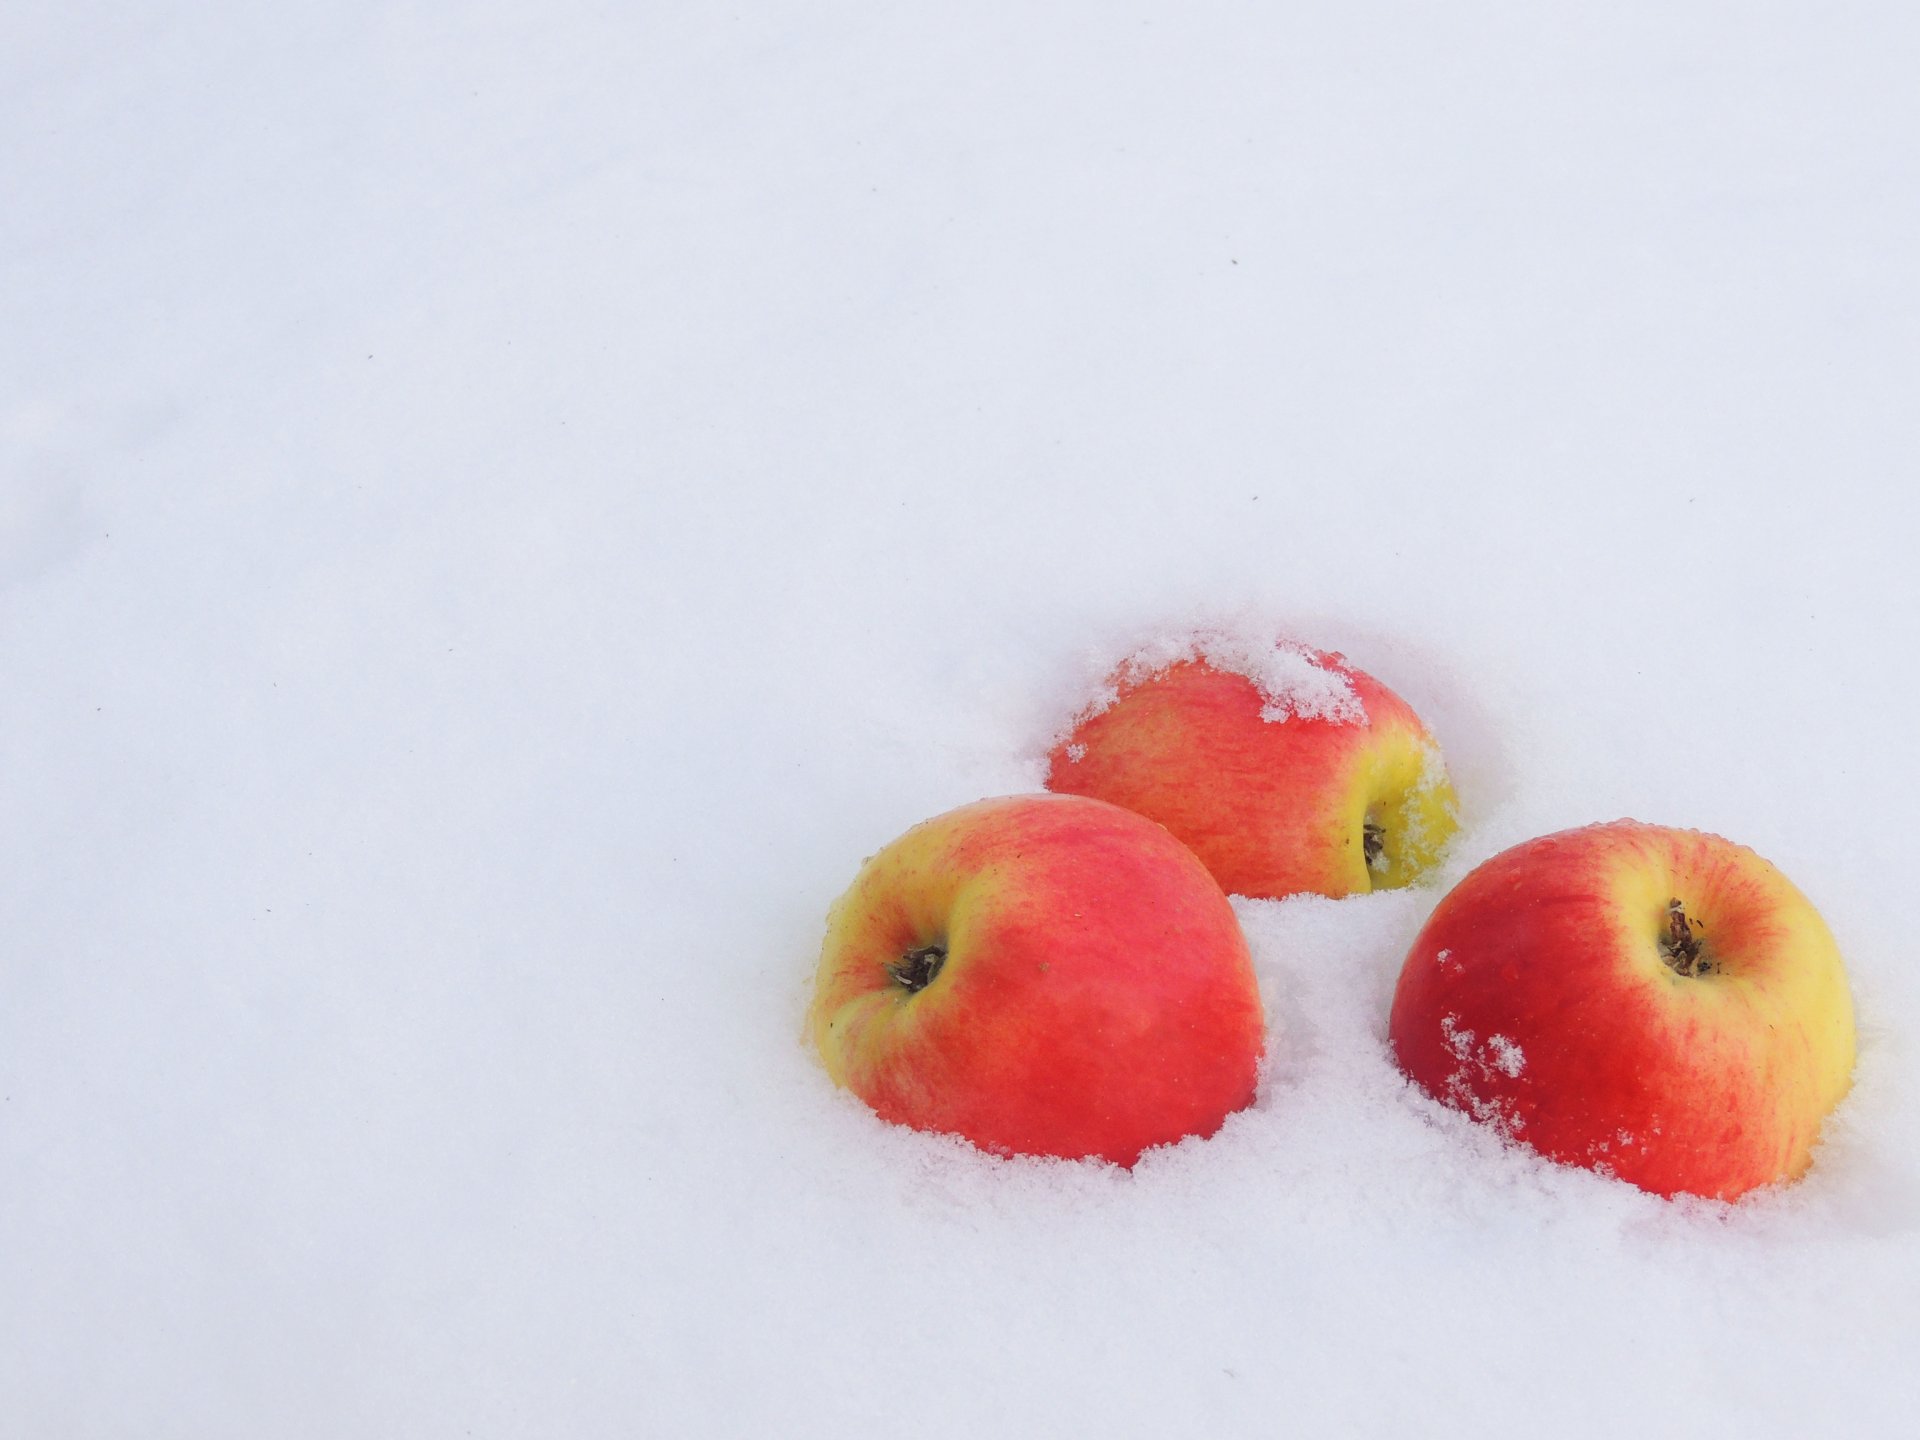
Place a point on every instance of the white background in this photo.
(501, 510)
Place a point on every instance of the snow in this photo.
(499, 513)
(1500, 1052)
(1291, 678)
(1505, 1055)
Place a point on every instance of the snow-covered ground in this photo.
(500, 512)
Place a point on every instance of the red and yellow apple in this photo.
(1660, 1004)
(1283, 768)
(1043, 975)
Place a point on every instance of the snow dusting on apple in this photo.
(1291, 678)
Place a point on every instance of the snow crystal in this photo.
(1499, 1053)
(1505, 1056)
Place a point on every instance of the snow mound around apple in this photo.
(1292, 678)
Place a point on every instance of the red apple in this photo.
(1283, 768)
(1043, 975)
(1659, 1004)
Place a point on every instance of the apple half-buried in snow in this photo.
(1285, 769)
(1042, 975)
(1660, 1004)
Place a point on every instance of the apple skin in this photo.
(1096, 997)
(1539, 999)
(1272, 807)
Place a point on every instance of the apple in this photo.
(1042, 975)
(1659, 1004)
(1285, 769)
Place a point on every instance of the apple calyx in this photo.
(916, 969)
(1680, 947)
(1373, 845)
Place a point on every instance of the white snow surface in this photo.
(501, 509)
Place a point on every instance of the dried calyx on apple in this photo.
(917, 968)
(1284, 768)
(1680, 947)
(1373, 844)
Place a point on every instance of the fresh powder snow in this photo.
(502, 507)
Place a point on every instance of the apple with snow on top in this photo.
(1042, 975)
(1285, 769)
(1660, 1004)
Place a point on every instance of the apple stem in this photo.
(914, 971)
(1373, 844)
(1680, 947)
